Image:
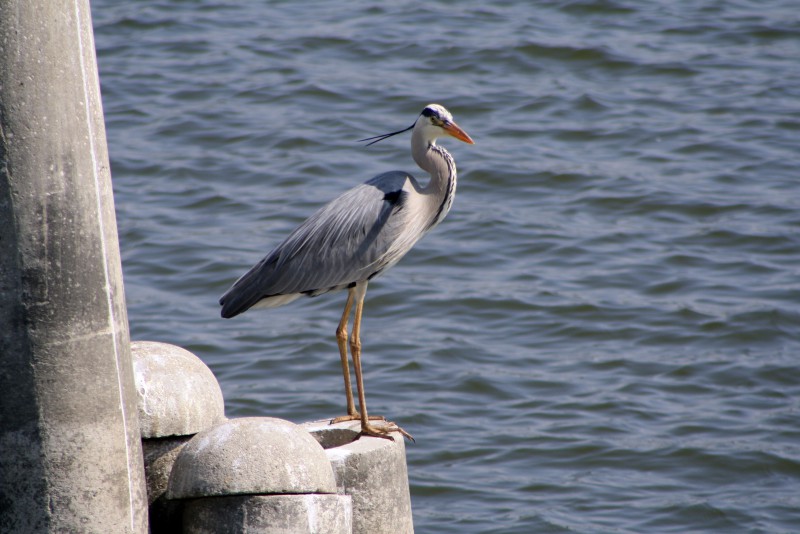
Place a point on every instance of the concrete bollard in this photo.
(373, 472)
(70, 452)
(178, 397)
(178, 393)
(258, 474)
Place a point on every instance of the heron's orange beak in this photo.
(455, 130)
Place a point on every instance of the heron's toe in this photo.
(355, 417)
(384, 431)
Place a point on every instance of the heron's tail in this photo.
(253, 290)
(233, 304)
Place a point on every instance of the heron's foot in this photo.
(355, 417)
(384, 431)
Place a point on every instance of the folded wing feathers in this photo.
(348, 239)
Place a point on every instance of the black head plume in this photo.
(381, 137)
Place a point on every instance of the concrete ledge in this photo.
(269, 514)
(253, 455)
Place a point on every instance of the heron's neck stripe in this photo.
(450, 187)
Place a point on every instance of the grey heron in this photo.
(355, 238)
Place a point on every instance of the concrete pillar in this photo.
(178, 397)
(373, 472)
(258, 474)
(70, 453)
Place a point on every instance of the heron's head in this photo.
(435, 121)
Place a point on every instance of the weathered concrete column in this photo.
(70, 454)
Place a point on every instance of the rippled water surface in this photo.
(604, 334)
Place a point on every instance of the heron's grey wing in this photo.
(344, 242)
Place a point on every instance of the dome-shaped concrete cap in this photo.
(254, 455)
(178, 393)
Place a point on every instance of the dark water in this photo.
(603, 336)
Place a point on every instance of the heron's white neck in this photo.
(441, 189)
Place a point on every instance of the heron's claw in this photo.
(385, 431)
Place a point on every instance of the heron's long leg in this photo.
(359, 292)
(341, 340)
(355, 349)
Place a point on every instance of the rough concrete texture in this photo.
(256, 455)
(373, 472)
(70, 450)
(269, 514)
(159, 456)
(178, 393)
